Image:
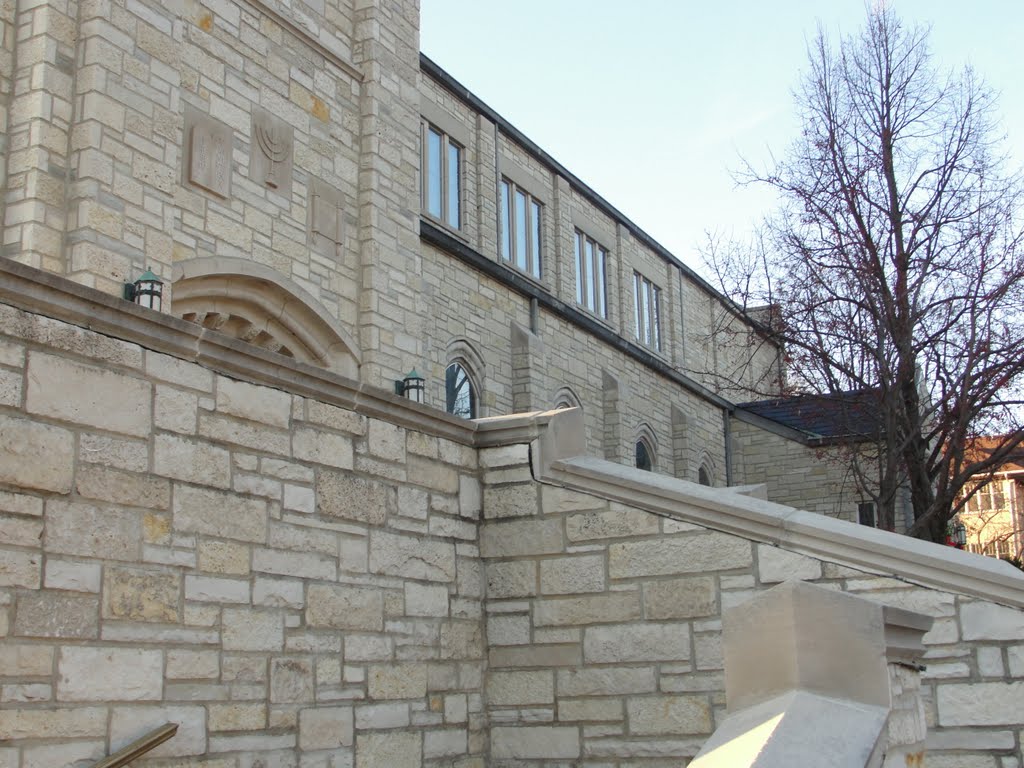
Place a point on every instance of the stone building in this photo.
(221, 515)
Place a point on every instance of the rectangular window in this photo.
(591, 288)
(442, 177)
(866, 513)
(520, 229)
(647, 311)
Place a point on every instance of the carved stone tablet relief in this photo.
(270, 152)
(208, 145)
(326, 218)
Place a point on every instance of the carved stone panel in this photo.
(270, 152)
(326, 218)
(208, 145)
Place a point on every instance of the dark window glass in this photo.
(866, 513)
(460, 399)
(643, 456)
(703, 477)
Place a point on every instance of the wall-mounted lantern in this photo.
(959, 534)
(411, 387)
(147, 291)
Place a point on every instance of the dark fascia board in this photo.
(449, 83)
(440, 239)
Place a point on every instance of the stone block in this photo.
(411, 557)
(984, 704)
(325, 728)
(536, 742)
(35, 455)
(291, 680)
(432, 475)
(109, 674)
(211, 589)
(375, 717)
(425, 600)
(68, 753)
(536, 655)
(278, 593)
(88, 530)
(591, 609)
(224, 515)
(669, 715)
(183, 664)
(95, 481)
(504, 501)
(130, 723)
(508, 630)
(224, 557)
(681, 554)
(61, 389)
(193, 461)
(470, 498)
(238, 716)
(345, 607)
(389, 750)
(775, 565)
(342, 494)
(19, 568)
(590, 710)
(397, 681)
(514, 578)
(517, 538)
(50, 723)
(680, 598)
(322, 447)
(988, 621)
(26, 660)
(386, 441)
(131, 455)
(521, 688)
(252, 630)
(75, 577)
(335, 418)
(255, 403)
(572, 575)
(55, 614)
(308, 565)
(461, 640)
(637, 642)
(138, 595)
(448, 742)
(612, 524)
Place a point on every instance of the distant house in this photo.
(994, 513)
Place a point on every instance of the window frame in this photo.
(509, 193)
(446, 144)
(591, 284)
(647, 312)
(452, 396)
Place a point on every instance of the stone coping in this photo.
(44, 293)
(557, 459)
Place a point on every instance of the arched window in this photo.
(566, 398)
(703, 476)
(460, 394)
(644, 459)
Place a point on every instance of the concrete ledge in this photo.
(44, 293)
(558, 462)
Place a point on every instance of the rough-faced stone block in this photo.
(504, 501)
(26, 660)
(342, 494)
(291, 680)
(536, 742)
(389, 750)
(50, 614)
(636, 642)
(987, 621)
(252, 630)
(238, 716)
(591, 609)
(325, 728)
(65, 390)
(322, 447)
(224, 515)
(397, 681)
(521, 688)
(680, 598)
(611, 524)
(345, 607)
(94, 481)
(88, 530)
(138, 595)
(985, 704)
(64, 723)
(130, 723)
(680, 554)
(193, 461)
(775, 565)
(572, 575)
(521, 538)
(20, 569)
(425, 600)
(35, 455)
(515, 578)
(411, 557)
(386, 441)
(670, 715)
(109, 674)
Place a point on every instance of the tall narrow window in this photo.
(442, 177)
(521, 228)
(647, 311)
(866, 513)
(460, 396)
(591, 288)
(644, 455)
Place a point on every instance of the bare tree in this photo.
(896, 260)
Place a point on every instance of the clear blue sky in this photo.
(653, 102)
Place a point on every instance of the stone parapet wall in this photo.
(291, 581)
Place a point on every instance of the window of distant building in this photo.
(704, 475)
(647, 311)
(866, 514)
(591, 279)
(460, 393)
(521, 220)
(644, 455)
(442, 176)
(988, 498)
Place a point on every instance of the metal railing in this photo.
(138, 747)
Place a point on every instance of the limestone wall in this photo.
(604, 618)
(291, 581)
